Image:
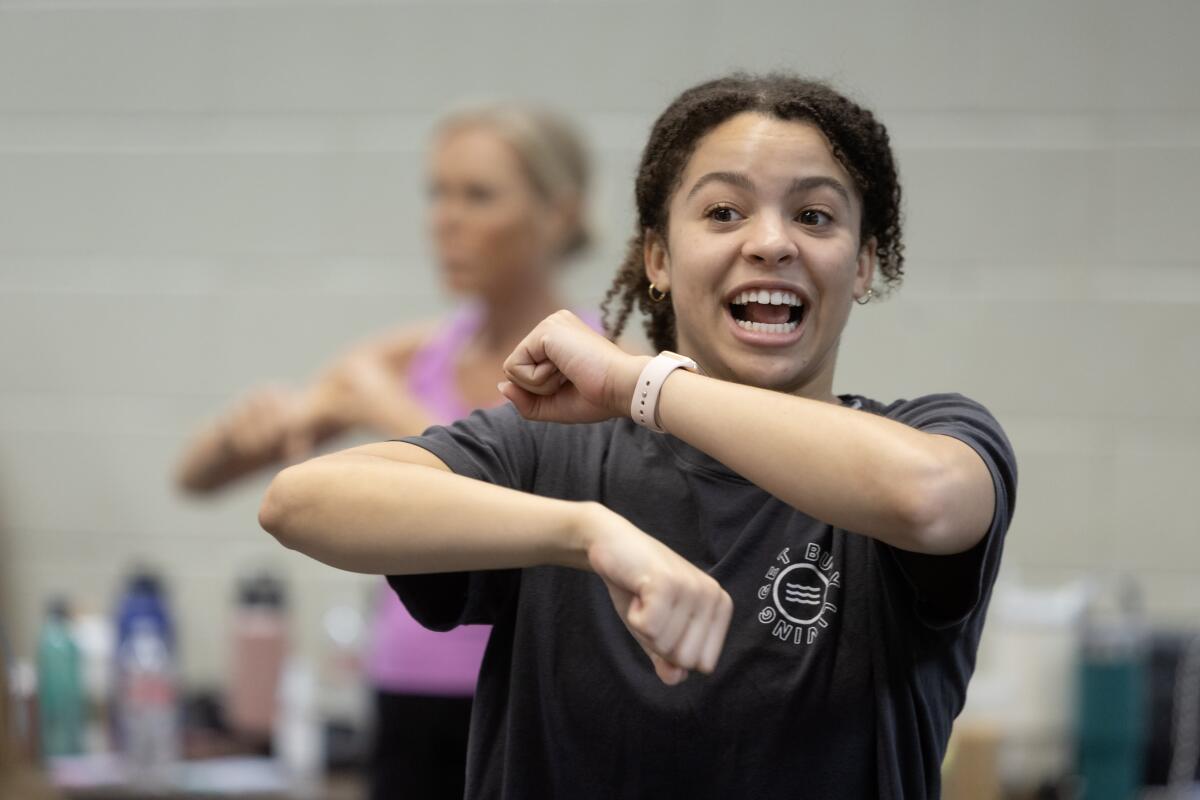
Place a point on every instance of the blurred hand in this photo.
(262, 426)
(678, 613)
(564, 371)
(362, 389)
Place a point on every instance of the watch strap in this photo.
(644, 405)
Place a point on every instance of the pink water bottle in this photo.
(258, 649)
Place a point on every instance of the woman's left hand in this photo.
(564, 371)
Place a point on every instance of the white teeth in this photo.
(764, 327)
(774, 298)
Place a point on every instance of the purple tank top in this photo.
(404, 657)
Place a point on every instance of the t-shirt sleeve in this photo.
(495, 446)
(949, 589)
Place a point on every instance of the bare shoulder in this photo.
(396, 345)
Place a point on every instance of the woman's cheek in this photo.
(495, 240)
(509, 249)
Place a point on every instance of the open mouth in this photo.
(766, 311)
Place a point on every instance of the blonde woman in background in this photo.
(506, 209)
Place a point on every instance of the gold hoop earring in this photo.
(656, 298)
(866, 298)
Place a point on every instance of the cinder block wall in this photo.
(198, 196)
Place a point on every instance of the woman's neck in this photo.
(820, 387)
(507, 319)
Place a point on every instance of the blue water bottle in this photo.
(147, 712)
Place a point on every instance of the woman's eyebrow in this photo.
(801, 185)
(798, 186)
(734, 178)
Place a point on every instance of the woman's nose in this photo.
(767, 242)
(445, 216)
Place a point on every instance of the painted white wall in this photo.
(197, 196)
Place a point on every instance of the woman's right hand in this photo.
(678, 613)
(263, 426)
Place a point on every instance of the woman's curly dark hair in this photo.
(858, 140)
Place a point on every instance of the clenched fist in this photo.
(564, 371)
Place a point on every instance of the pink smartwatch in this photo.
(644, 406)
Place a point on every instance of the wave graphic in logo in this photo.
(799, 593)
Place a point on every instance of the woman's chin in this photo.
(789, 381)
(773, 372)
(460, 284)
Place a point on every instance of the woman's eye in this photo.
(480, 195)
(723, 214)
(811, 216)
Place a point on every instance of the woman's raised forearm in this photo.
(394, 509)
(368, 513)
(862, 472)
(858, 471)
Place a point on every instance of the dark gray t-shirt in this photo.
(846, 659)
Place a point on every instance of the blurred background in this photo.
(199, 196)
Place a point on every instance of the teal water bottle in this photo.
(60, 685)
(1112, 711)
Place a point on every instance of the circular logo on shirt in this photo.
(799, 597)
(800, 592)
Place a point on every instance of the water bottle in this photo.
(146, 698)
(258, 648)
(1112, 695)
(94, 635)
(298, 740)
(60, 685)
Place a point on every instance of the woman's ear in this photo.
(864, 274)
(657, 260)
